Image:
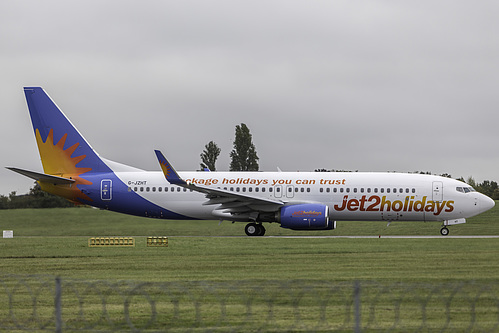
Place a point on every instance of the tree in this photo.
(243, 156)
(209, 156)
(471, 182)
(36, 198)
(489, 188)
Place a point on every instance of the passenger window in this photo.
(160, 189)
(362, 190)
(348, 189)
(178, 189)
(154, 189)
(328, 190)
(376, 190)
(135, 189)
(387, 190)
(250, 189)
(413, 190)
(355, 190)
(335, 190)
(406, 190)
(369, 190)
(244, 189)
(302, 190)
(257, 189)
(341, 190)
(141, 189)
(147, 189)
(308, 189)
(321, 190)
(382, 190)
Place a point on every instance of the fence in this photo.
(41, 303)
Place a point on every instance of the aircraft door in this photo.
(438, 192)
(290, 191)
(106, 189)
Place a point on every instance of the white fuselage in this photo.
(349, 196)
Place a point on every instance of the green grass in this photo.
(54, 242)
(198, 258)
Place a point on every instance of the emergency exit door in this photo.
(106, 189)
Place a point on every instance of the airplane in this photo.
(73, 170)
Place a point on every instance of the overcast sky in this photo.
(357, 85)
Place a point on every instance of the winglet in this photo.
(170, 174)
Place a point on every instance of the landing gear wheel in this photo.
(262, 230)
(254, 229)
(444, 231)
(251, 229)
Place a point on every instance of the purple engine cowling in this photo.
(306, 217)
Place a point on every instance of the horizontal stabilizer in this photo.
(42, 176)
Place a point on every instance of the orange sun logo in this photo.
(57, 161)
(166, 168)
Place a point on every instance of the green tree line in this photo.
(487, 187)
(36, 198)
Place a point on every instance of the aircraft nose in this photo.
(486, 203)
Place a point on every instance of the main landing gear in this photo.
(254, 229)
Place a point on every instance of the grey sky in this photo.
(358, 85)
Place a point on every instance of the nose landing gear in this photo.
(444, 231)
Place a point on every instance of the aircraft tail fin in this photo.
(64, 152)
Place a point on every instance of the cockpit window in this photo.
(465, 189)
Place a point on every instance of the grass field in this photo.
(54, 242)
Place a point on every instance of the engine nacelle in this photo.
(306, 217)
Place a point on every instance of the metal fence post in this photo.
(58, 305)
(356, 305)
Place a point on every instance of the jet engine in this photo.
(305, 217)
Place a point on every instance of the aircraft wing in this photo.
(231, 205)
(43, 177)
